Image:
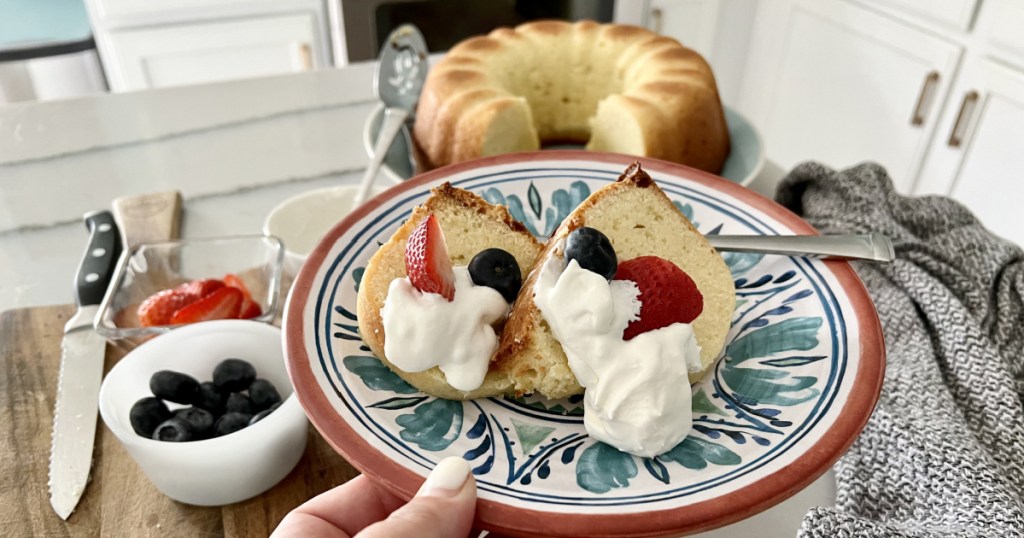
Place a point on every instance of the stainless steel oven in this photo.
(361, 25)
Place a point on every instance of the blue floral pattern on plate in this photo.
(779, 376)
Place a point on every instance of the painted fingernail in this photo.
(446, 479)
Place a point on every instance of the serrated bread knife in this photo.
(81, 368)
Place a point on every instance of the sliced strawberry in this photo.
(249, 309)
(225, 303)
(234, 281)
(667, 294)
(158, 308)
(427, 262)
(197, 289)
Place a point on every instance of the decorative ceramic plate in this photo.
(800, 375)
(744, 163)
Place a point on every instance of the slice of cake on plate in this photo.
(628, 301)
(639, 220)
(433, 299)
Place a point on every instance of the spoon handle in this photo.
(874, 247)
(389, 128)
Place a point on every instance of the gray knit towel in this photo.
(943, 454)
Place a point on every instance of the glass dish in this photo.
(151, 267)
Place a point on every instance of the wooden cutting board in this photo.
(119, 500)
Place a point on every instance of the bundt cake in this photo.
(615, 87)
(640, 220)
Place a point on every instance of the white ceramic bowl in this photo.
(222, 470)
(300, 221)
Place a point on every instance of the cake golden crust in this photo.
(619, 88)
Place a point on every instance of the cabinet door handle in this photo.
(656, 17)
(967, 106)
(306, 56)
(924, 99)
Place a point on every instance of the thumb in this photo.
(442, 508)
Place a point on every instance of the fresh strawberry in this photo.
(225, 303)
(250, 308)
(158, 308)
(232, 280)
(667, 294)
(427, 262)
(197, 289)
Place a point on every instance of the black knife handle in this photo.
(100, 259)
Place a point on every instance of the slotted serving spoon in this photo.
(401, 70)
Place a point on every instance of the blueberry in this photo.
(174, 387)
(147, 414)
(592, 251)
(174, 430)
(239, 403)
(259, 416)
(233, 375)
(263, 394)
(211, 398)
(496, 268)
(231, 423)
(262, 414)
(199, 420)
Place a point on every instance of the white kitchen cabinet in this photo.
(718, 29)
(159, 43)
(977, 155)
(956, 14)
(934, 92)
(1000, 25)
(189, 54)
(837, 83)
(161, 11)
(691, 22)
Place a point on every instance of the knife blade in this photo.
(81, 368)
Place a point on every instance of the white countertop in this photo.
(234, 150)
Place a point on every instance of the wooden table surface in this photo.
(119, 500)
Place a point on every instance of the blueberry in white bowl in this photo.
(233, 375)
(148, 413)
(173, 430)
(174, 387)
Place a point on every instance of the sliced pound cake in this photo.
(639, 220)
(470, 225)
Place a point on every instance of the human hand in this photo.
(442, 508)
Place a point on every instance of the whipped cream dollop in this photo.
(423, 330)
(638, 391)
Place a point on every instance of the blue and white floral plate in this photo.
(800, 374)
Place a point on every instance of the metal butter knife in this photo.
(81, 368)
(874, 247)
